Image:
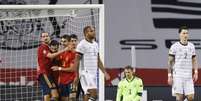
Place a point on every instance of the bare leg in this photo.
(190, 97)
(179, 97)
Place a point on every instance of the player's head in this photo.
(183, 33)
(74, 40)
(128, 72)
(45, 38)
(89, 32)
(65, 40)
(54, 46)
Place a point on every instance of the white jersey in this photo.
(89, 61)
(183, 59)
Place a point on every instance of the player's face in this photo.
(54, 48)
(45, 38)
(91, 33)
(128, 73)
(74, 42)
(64, 42)
(184, 35)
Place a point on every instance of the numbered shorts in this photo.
(183, 86)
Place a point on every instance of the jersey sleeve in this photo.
(139, 90)
(119, 91)
(80, 48)
(193, 51)
(172, 50)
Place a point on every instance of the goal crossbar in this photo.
(100, 7)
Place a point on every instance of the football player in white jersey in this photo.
(183, 67)
(89, 60)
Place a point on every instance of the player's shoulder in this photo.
(190, 44)
(122, 82)
(82, 41)
(94, 42)
(43, 46)
(176, 44)
(138, 79)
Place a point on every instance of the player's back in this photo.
(183, 59)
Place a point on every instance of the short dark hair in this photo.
(128, 67)
(73, 36)
(182, 27)
(54, 43)
(86, 28)
(67, 37)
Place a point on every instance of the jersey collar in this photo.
(130, 80)
(183, 44)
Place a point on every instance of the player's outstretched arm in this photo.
(53, 55)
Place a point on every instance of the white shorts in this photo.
(88, 80)
(182, 86)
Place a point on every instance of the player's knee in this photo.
(92, 98)
(190, 98)
(46, 97)
(179, 98)
(93, 94)
(55, 93)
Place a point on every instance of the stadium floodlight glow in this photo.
(20, 28)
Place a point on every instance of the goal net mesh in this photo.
(19, 39)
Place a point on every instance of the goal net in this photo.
(20, 28)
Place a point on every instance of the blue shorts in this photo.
(64, 89)
(44, 85)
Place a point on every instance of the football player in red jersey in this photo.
(66, 72)
(45, 62)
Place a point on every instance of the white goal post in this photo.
(16, 34)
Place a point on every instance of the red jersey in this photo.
(44, 62)
(67, 59)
